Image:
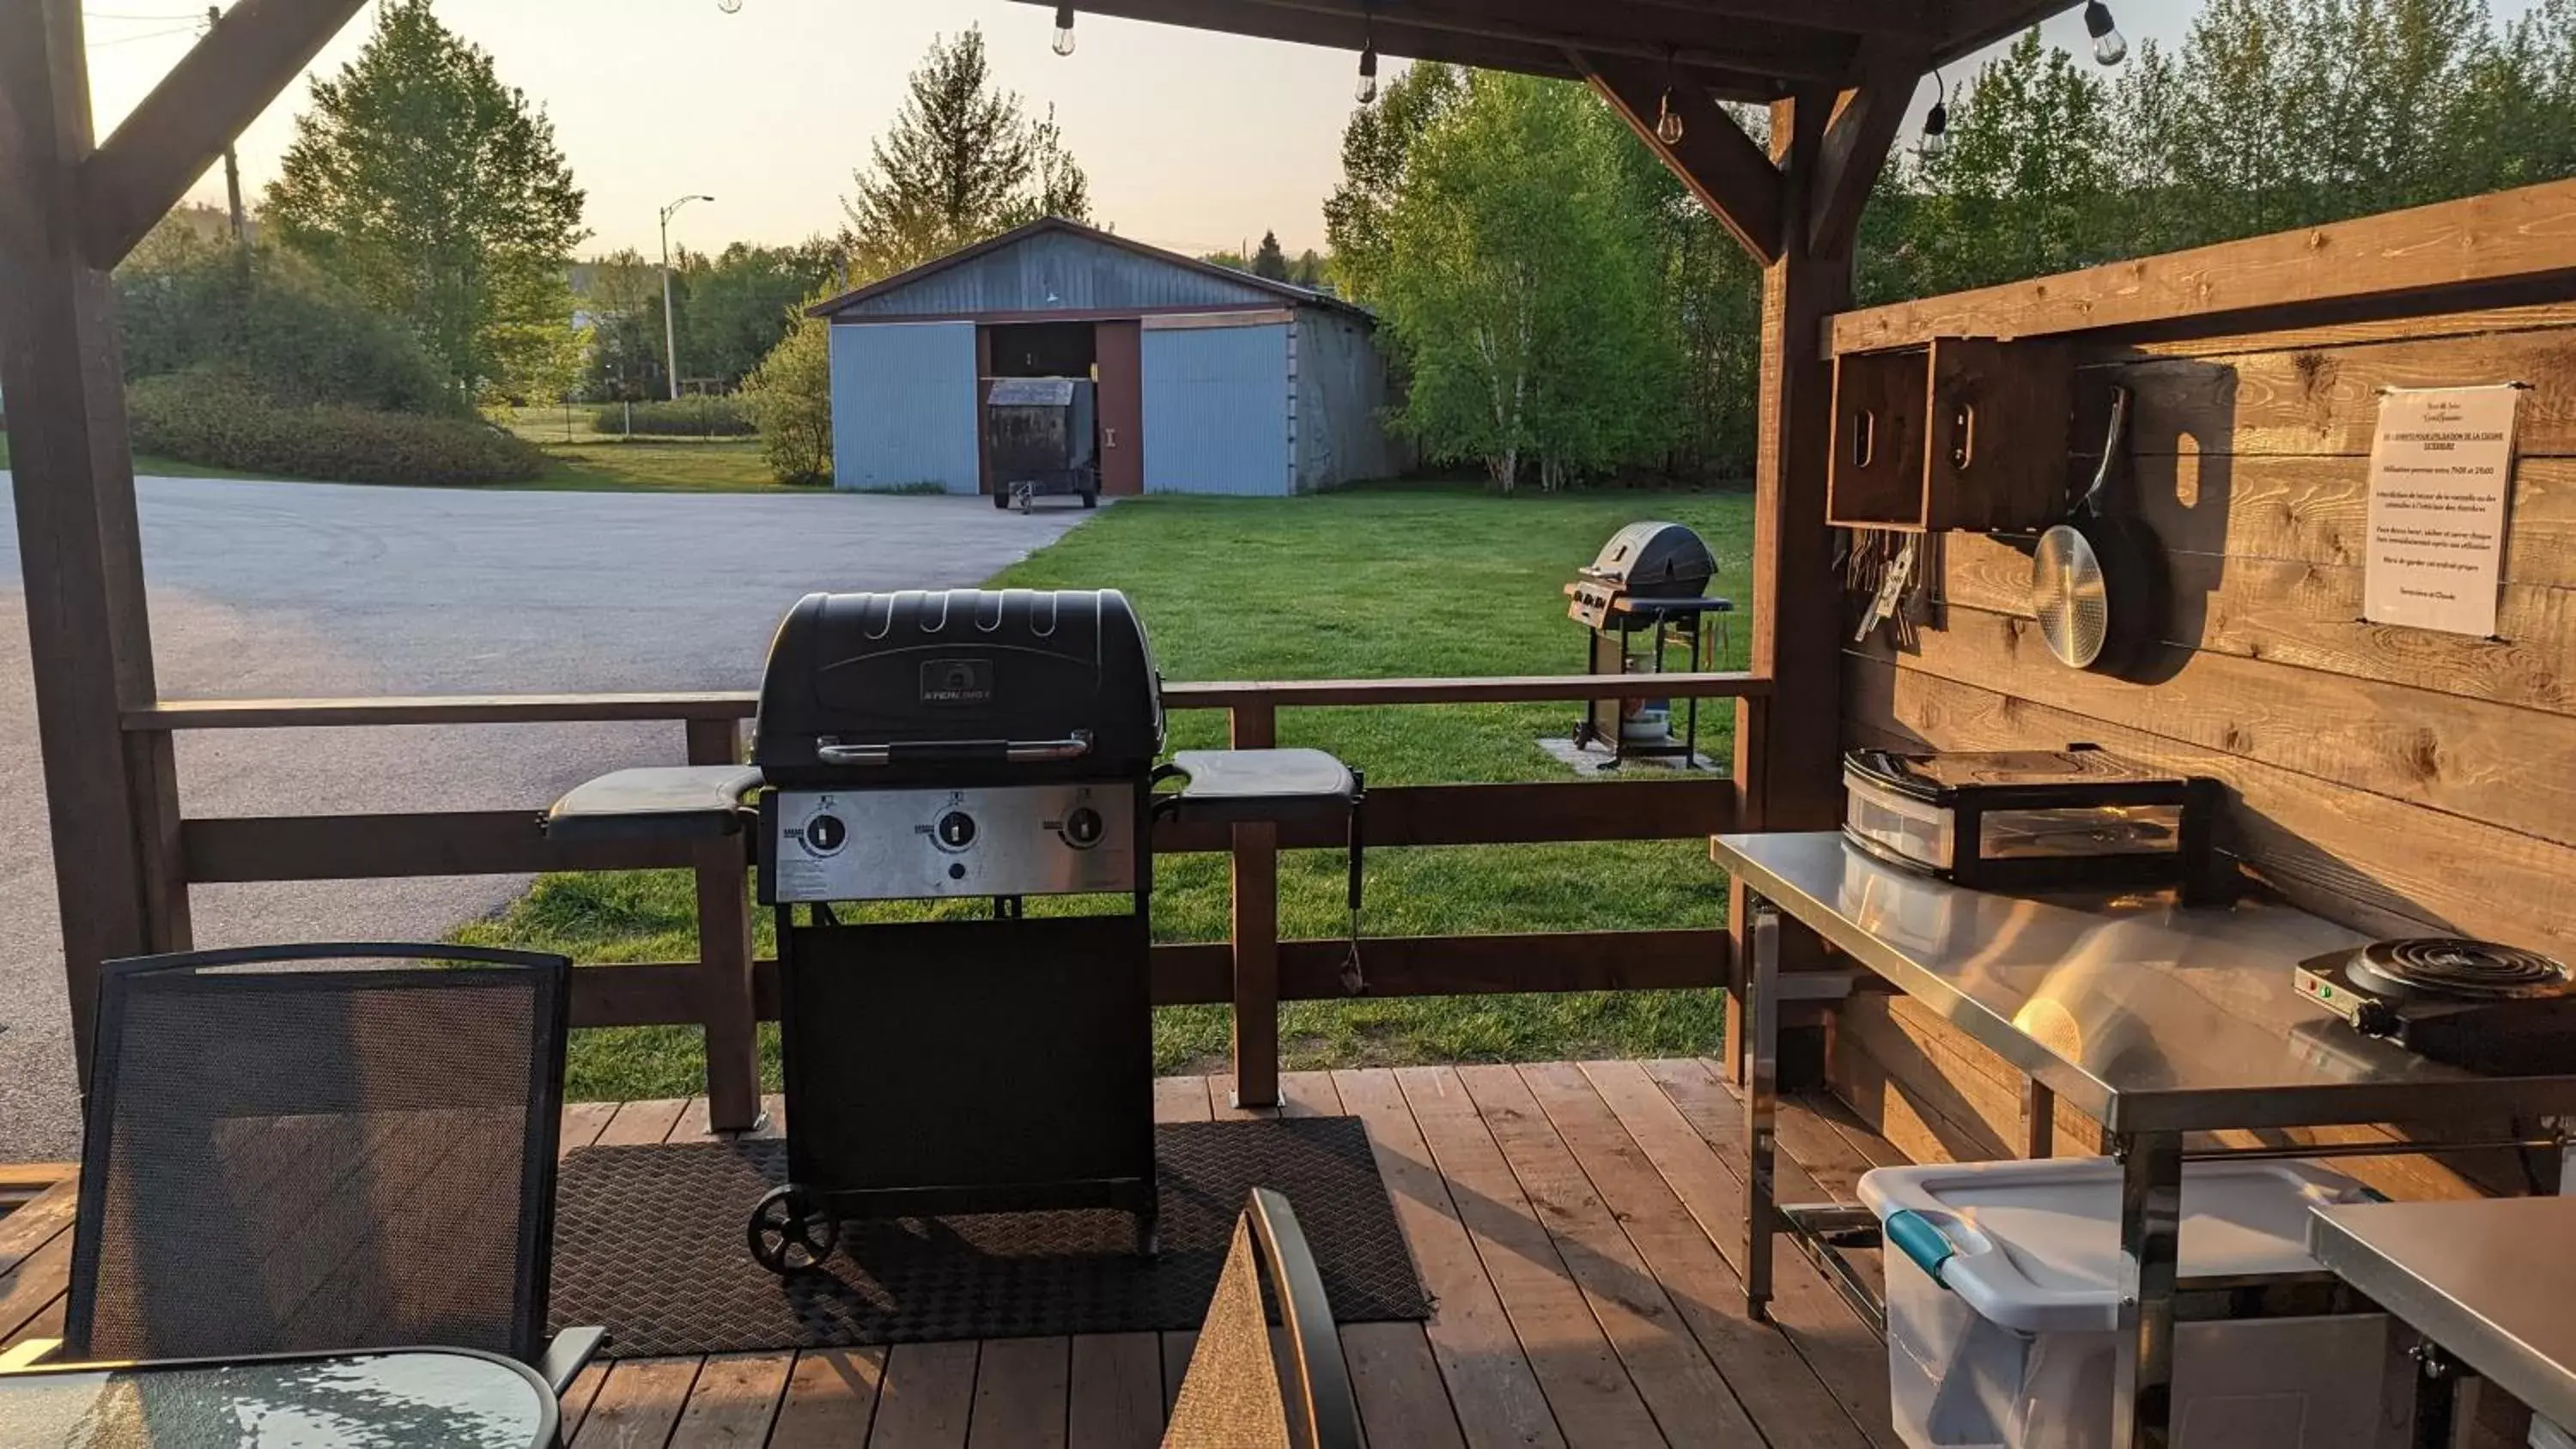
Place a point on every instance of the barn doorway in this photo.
(1042, 349)
(1106, 352)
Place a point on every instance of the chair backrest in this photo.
(1249, 1387)
(320, 1147)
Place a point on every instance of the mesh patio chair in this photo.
(323, 1147)
(1250, 1386)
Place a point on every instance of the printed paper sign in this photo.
(2441, 474)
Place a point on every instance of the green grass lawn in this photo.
(721, 465)
(579, 460)
(1373, 582)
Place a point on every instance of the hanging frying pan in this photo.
(2097, 580)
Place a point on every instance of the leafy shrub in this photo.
(270, 318)
(688, 417)
(223, 420)
(791, 401)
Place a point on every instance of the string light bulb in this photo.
(1936, 121)
(1668, 122)
(2110, 47)
(730, 7)
(1064, 30)
(1366, 91)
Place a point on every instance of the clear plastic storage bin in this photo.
(2012, 1343)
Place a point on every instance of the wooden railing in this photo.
(728, 992)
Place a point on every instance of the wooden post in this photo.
(152, 768)
(1789, 761)
(79, 551)
(1256, 931)
(725, 1001)
(1797, 618)
(1752, 719)
(1796, 213)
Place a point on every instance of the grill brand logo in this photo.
(957, 681)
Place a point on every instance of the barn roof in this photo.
(1233, 288)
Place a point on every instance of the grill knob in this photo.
(956, 830)
(1082, 828)
(825, 834)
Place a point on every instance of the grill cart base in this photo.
(946, 1067)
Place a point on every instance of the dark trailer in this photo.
(1042, 438)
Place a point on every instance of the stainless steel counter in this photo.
(2147, 1015)
(2493, 1282)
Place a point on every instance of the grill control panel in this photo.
(887, 845)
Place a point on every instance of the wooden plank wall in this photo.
(2400, 781)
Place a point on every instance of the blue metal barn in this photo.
(1210, 380)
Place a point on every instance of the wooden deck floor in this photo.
(1576, 1223)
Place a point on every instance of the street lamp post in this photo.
(670, 332)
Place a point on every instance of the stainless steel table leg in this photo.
(1761, 1104)
(2038, 1119)
(2150, 1234)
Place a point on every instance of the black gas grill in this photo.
(992, 746)
(1642, 596)
(1645, 569)
(954, 748)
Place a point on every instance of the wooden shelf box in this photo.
(1962, 433)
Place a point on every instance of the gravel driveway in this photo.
(267, 589)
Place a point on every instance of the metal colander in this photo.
(2068, 595)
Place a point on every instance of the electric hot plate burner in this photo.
(2473, 1004)
(2442, 966)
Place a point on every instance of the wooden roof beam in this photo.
(1915, 19)
(1690, 40)
(1344, 26)
(1856, 142)
(215, 91)
(1975, 24)
(1726, 169)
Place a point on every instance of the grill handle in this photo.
(1018, 752)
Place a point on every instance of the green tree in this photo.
(437, 193)
(2514, 122)
(1377, 149)
(2027, 184)
(790, 394)
(1270, 261)
(1519, 284)
(1711, 292)
(2272, 114)
(620, 296)
(190, 304)
(734, 306)
(963, 161)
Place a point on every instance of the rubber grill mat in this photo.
(649, 1243)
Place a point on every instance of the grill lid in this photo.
(1655, 560)
(914, 686)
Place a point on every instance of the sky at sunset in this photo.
(1193, 141)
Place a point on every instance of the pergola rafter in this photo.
(1727, 170)
(216, 90)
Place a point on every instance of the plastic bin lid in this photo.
(2038, 1243)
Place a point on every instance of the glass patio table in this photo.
(377, 1400)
